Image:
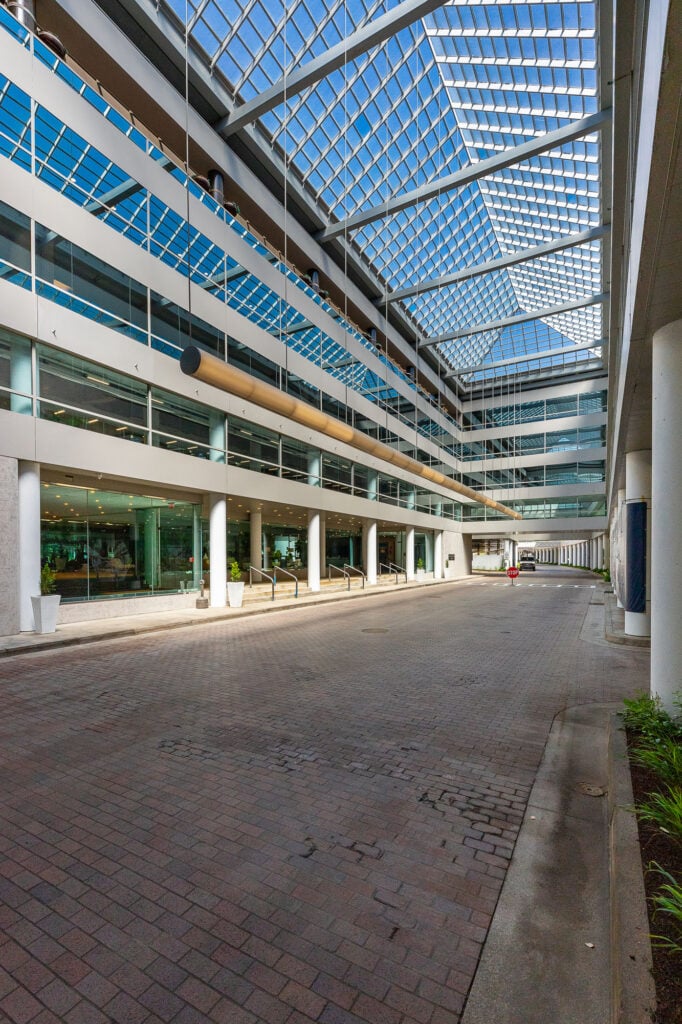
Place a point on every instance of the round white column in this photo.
(637, 489)
(409, 552)
(323, 543)
(666, 502)
(256, 539)
(313, 550)
(438, 555)
(29, 541)
(369, 550)
(619, 543)
(218, 535)
(600, 551)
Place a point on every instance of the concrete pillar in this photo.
(409, 553)
(313, 550)
(9, 546)
(600, 551)
(438, 555)
(218, 534)
(323, 543)
(372, 484)
(256, 539)
(369, 550)
(29, 541)
(638, 559)
(666, 502)
(619, 545)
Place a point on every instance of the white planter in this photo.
(45, 608)
(235, 594)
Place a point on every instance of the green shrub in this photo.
(665, 811)
(235, 573)
(48, 583)
(645, 716)
(668, 900)
(664, 759)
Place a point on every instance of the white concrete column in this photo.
(619, 545)
(637, 489)
(369, 550)
(666, 502)
(323, 543)
(409, 553)
(600, 551)
(218, 535)
(372, 484)
(313, 550)
(256, 539)
(438, 555)
(29, 541)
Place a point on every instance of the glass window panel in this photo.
(182, 425)
(68, 273)
(252, 447)
(68, 384)
(15, 373)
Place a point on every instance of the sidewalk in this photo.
(90, 631)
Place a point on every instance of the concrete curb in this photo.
(633, 996)
(572, 907)
(613, 629)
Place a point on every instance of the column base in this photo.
(637, 624)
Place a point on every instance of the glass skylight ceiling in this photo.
(459, 86)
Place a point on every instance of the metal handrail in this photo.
(399, 568)
(252, 569)
(346, 575)
(383, 565)
(359, 572)
(278, 568)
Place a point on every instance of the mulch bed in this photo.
(656, 846)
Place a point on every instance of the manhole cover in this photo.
(375, 630)
(589, 790)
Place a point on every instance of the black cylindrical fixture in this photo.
(314, 276)
(217, 186)
(24, 11)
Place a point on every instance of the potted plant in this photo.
(420, 568)
(235, 586)
(46, 604)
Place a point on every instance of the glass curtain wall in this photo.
(108, 544)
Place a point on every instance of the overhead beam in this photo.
(473, 172)
(519, 318)
(205, 367)
(523, 256)
(315, 70)
(527, 357)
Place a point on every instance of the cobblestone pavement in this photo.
(299, 817)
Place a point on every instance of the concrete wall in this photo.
(9, 547)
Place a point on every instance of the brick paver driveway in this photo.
(304, 816)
